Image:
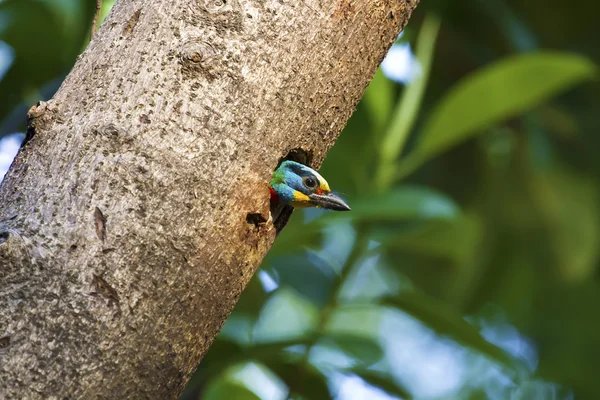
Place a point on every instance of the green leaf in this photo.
(494, 94)
(107, 5)
(221, 354)
(384, 382)
(296, 236)
(226, 389)
(354, 149)
(286, 315)
(364, 349)
(446, 321)
(302, 379)
(379, 100)
(305, 274)
(568, 202)
(264, 352)
(40, 60)
(252, 299)
(355, 320)
(408, 107)
(402, 203)
(455, 239)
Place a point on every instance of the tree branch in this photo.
(96, 17)
(124, 241)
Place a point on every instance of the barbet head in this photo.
(300, 186)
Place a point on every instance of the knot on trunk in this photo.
(224, 13)
(199, 57)
(14, 250)
(38, 118)
(220, 6)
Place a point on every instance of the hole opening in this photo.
(298, 155)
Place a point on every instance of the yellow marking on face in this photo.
(300, 200)
(299, 196)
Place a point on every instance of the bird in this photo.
(299, 186)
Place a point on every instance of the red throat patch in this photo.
(274, 197)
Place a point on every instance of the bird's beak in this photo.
(328, 201)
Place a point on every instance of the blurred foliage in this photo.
(468, 267)
(39, 43)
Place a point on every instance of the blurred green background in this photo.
(468, 267)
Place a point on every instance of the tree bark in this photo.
(138, 209)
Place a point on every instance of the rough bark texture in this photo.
(125, 236)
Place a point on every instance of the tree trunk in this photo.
(138, 209)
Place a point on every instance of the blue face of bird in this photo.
(300, 186)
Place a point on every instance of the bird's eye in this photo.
(309, 182)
